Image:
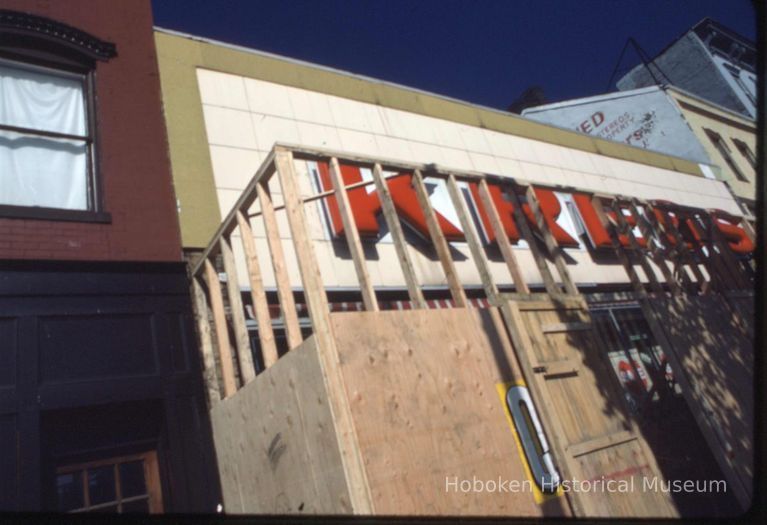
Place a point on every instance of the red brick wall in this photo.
(134, 165)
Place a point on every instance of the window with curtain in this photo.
(48, 145)
(44, 138)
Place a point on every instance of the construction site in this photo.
(411, 305)
(235, 282)
(375, 406)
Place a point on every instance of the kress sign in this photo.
(366, 207)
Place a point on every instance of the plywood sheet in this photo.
(422, 389)
(276, 445)
(593, 437)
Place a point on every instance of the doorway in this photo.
(658, 404)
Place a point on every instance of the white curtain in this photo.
(35, 170)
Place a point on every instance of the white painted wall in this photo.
(245, 117)
(646, 118)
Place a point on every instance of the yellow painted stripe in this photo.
(540, 497)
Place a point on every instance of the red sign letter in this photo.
(366, 206)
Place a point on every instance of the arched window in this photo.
(48, 153)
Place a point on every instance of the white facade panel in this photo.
(240, 139)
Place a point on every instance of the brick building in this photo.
(100, 405)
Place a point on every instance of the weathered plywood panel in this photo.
(712, 345)
(276, 444)
(592, 435)
(422, 389)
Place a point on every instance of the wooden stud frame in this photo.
(352, 237)
(317, 302)
(653, 246)
(222, 330)
(398, 236)
(472, 238)
(720, 264)
(440, 244)
(237, 312)
(257, 292)
(502, 240)
(551, 243)
(625, 229)
(527, 234)
(677, 252)
(200, 306)
(609, 225)
(284, 291)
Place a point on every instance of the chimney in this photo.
(532, 96)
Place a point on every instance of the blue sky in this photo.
(481, 51)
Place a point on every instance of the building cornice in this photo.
(16, 22)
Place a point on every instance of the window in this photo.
(724, 151)
(128, 484)
(745, 151)
(48, 154)
(45, 145)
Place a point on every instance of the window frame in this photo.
(151, 479)
(26, 43)
(724, 150)
(745, 151)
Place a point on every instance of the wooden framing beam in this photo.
(636, 282)
(438, 239)
(671, 252)
(502, 239)
(206, 345)
(257, 292)
(472, 238)
(527, 234)
(241, 336)
(222, 330)
(551, 243)
(319, 311)
(352, 236)
(398, 238)
(625, 228)
(684, 255)
(622, 227)
(652, 237)
(324, 194)
(284, 291)
(246, 199)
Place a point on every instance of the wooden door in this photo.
(605, 464)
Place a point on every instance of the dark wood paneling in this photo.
(65, 278)
(8, 351)
(8, 464)
(180, 334)
(81, 339)
(104, 346)
(204, 486)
